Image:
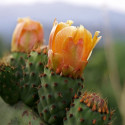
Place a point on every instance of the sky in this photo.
(118, 5)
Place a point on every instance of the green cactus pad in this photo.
(88, 109)
(31, 80)
(55, 93)
(9, 86)
(18, 114)
(18, 60)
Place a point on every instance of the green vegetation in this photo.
(18, 114)
(4, 47)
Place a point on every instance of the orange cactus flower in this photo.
(70, 48)
(27, 35)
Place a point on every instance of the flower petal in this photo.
(16, 35)
(28, 40)
(87, 44)
(62, 36)
(72, 52)
(56, 28)
(79, 34)
(96, 38)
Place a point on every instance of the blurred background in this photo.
(105, 72)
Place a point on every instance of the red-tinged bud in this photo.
(27, 35)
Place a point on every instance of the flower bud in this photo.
(27, 35)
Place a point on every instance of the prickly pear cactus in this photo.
(9, 86)
(18, 114)
(47, 78)
(88, 109)
(34, 67)
(55, 93)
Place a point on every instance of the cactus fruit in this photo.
(30, 81)
(9, 86)
(19, 114)
(55, 93)
(88, 109)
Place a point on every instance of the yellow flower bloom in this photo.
(27, 35)
(70, 48)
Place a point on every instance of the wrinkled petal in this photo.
(28, 40)
(62, 36)
(56, 28)
(51, 36)
(87, 44)
(96, 39)
(16, 35)
(74, 50)
(79, 34)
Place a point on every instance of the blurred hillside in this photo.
(92, 18)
